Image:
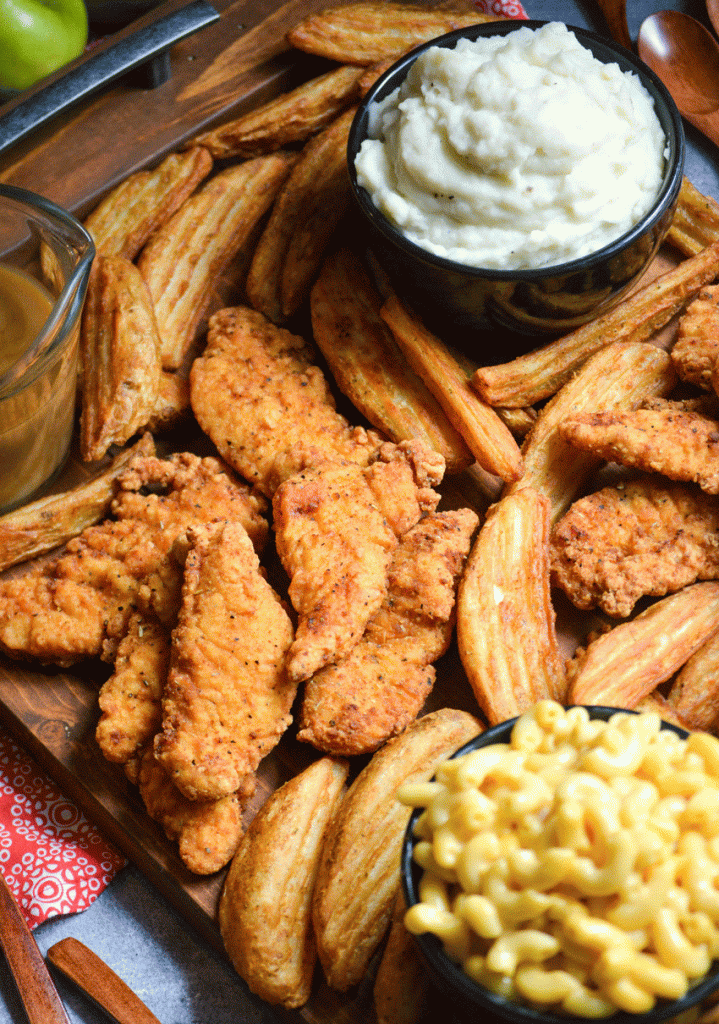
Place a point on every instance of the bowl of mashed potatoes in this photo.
(520, 174)
(565, 864)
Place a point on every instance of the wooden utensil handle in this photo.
(100, 982)
(37, 990)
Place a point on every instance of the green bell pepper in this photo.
(37, 37)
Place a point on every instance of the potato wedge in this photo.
(290, 118)
(124, 220)
(489, 440)
(618, 377)
(401, 984)
(695, 224)
(626, 664)
(367, 364)
(120, 356)
(265, 907)
(361, 33)
(304, 216)
(182, 262)
(358, 877)
(173, 402)
(37, 528)
(694, 694)
(539, 374)
(505, 619)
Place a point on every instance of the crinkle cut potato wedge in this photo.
(120, 354)
(305, 213)
(505, 619)
(124, 220)
(265, 908)
(694, 694)
(695, 224)
(401, 984)
(35, 529)
(290, 118)
(367, 364)
(489, 440)
(362, 33)
(617, 377)
(626, 664)
(184, 259)
(358, 877)
(695, 351)
(539, 374)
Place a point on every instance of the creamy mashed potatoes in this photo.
(516, 151)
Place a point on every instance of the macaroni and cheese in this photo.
(577, 866)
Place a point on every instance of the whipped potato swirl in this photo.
(514, 152)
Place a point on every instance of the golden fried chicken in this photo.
(227, 698)
(682, 445)
(354, 706)
(130, 700)
(696, 349)
(258, 394)
(643, 538)
(79, 605)
(208, 831)
(336, 527)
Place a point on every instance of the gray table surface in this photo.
(181, 978)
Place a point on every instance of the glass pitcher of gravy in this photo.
(45, 261)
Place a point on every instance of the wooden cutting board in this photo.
(233, 65)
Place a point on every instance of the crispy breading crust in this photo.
(681, 445)
(356, 705)
(640, 538)
(258, 394)
(227, 698)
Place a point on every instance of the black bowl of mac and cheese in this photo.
(565, 864)
(526, 186)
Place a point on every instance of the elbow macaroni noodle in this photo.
(577, 866)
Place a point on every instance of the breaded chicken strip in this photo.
(336, 529)
(208, 832)
(79, 605)
(227, 698)
(695, 351)
(130, 700)
(682, 445)
(354, 706)
(258, 394)
(644, 538)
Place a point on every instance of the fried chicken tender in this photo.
(696, 349)
(643, 538)
(227, 698)
(79, 605)
(208, 832)
(681, 445)
(336, 528)
(130, 700)
(258, 394)
(354, 706)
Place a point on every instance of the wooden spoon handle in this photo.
(708, 124)
(97, 980)
(37, 990)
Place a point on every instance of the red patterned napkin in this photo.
(506, 8)
(54, 861)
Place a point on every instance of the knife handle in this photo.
(147, 44)
(97, 980)
(34, 984)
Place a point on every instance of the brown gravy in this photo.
(24, 307)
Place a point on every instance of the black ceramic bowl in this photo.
(470, 998)
(545, 301)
